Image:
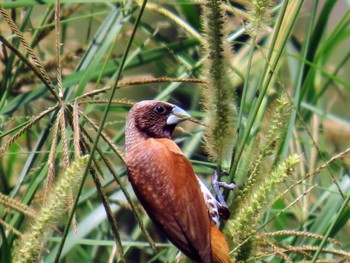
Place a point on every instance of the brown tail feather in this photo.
(219, 247)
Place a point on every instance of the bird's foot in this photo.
(217, 184)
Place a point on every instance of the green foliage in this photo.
(273, 83)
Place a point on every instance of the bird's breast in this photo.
(147, 174)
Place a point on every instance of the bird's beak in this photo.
(177, 115)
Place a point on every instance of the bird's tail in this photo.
(219, 247)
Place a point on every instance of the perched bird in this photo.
(166, 185)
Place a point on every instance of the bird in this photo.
(165, 184)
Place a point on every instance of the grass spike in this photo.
(11, 228)
(30, 245)
(63, 131)
(259, 16)
(58, 48)
(243, 224)
(5, 147)
(302, 233)
(181, 23)
(76, 129)
(219, 95)
(51, 160)
(36, 61)
(9, 202)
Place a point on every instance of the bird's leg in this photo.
(217, 184)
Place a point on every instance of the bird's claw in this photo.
(217, 184)
(215, 181)
(230, 186)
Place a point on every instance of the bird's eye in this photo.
(159, 109)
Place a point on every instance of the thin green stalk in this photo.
(103, 120)
(299, 82)
(256, 106)
(266, 78)
(243, 99)
(329, 81)
(331, 227)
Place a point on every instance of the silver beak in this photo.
(177, 115)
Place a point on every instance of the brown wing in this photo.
(164, 182)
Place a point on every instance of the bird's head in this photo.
(154, 119)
